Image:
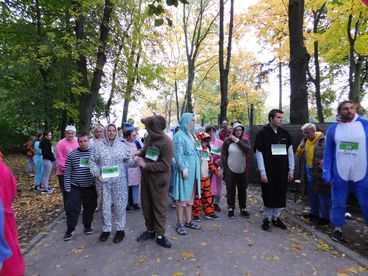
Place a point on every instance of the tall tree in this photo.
(194, 40)
(298, 64)
(225, 68)
(317, 12)
(88, 99)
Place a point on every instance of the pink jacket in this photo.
(63, 147)
(14, 265)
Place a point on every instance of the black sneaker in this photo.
(68, 235)
(136, 207)
(104, 236)
(119, 236)
(88, 230)
(213, 217)
(278, 223)
(244, 213)
(163, 241)
(128, 210)
(196, 218)
(230, 213)
(266, 224)
(217, 208)
(337, 236)
(146, 236)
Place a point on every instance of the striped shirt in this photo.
(77, 171)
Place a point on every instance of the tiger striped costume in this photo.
(206, 199)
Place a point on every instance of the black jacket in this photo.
(45, 146)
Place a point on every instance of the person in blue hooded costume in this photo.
(345, 163)
(188, 172)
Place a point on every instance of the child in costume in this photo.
(207, 165)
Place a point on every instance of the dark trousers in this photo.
(61, 185)
(233, 181)
(154, 204)
(77, 197)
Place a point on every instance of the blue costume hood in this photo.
(185, 120)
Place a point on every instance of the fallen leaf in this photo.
(78, 250)
(203, 243)
(178, 274)
(140, 260)
(185, 255)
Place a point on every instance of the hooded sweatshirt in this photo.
(234, 153)
(158, 171)
(309, 149)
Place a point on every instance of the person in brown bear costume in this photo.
(156, 171)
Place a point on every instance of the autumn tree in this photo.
(298, 64)
(224, 66)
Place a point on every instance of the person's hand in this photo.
(141, 163)
(185, 173)
(290, 177)
(68, 191)
(236, 140)
(264, 179)
(302, 144)
(320, 164)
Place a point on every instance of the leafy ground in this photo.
(33, 210)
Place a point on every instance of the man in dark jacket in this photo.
(310, 151)
(275, 160)
(156, 173)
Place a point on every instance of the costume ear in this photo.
(108, 119)
(114, 121)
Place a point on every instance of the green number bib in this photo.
(198, 145)
(83, 163)
(278, 149)
(152, 153)
(215, 150)
(205, 155)
(348, 147)
(110, 171)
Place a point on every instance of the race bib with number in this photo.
(348, 147)
(205, 155)
(215, 150)
(83, 163)
(110, 171)
(198, 145)
(278, 149)
(152, 153)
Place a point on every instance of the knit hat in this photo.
(71, 128)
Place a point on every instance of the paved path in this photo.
(223, 247)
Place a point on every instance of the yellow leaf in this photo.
(140, 260)
(178, 274)
(185, 255)
(78, 250)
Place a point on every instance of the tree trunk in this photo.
(280, 84)
(177, 101)
(357, 79)
(298, 64)
(88, 100)
(225, 69)
(44, 72)
(113, 82)
(130, 85)
(317, 79)
(189, 103)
